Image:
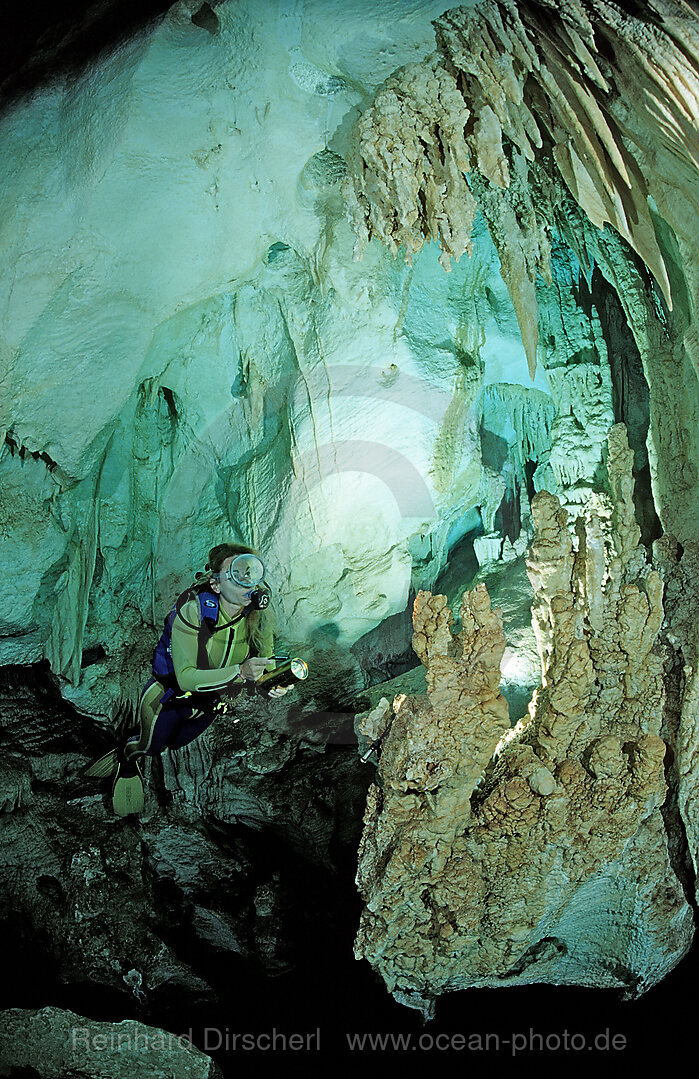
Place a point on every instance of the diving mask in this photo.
(246, 571)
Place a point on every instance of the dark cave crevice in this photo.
(39, 45)
(207, 19)
(508, 518)
(677, 840)
(386, 651)
(630, 399)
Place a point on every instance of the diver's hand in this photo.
(253, 668)
(278, 691)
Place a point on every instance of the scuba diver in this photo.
(216, 639)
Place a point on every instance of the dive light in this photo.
(288, 673)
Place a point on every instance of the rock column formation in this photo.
(539, 854)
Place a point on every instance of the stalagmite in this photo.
(493, 856)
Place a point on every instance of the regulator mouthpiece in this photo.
(259, 599)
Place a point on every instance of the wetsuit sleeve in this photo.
(185, 646)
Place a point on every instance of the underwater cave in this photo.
(371, 329)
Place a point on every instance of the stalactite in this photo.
(509, 86)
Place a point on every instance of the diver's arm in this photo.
(268, 646)
(185, 644)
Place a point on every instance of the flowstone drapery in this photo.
(494, 857)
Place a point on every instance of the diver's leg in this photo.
(127, 788)
(160, 728)
(189, 728)
(172, 729)
(148, 704)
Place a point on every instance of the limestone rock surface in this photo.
(354, 421)
(190, 354)
(56, 1044)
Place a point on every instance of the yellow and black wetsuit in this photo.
(167, 721)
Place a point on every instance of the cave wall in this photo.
(522, 107)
